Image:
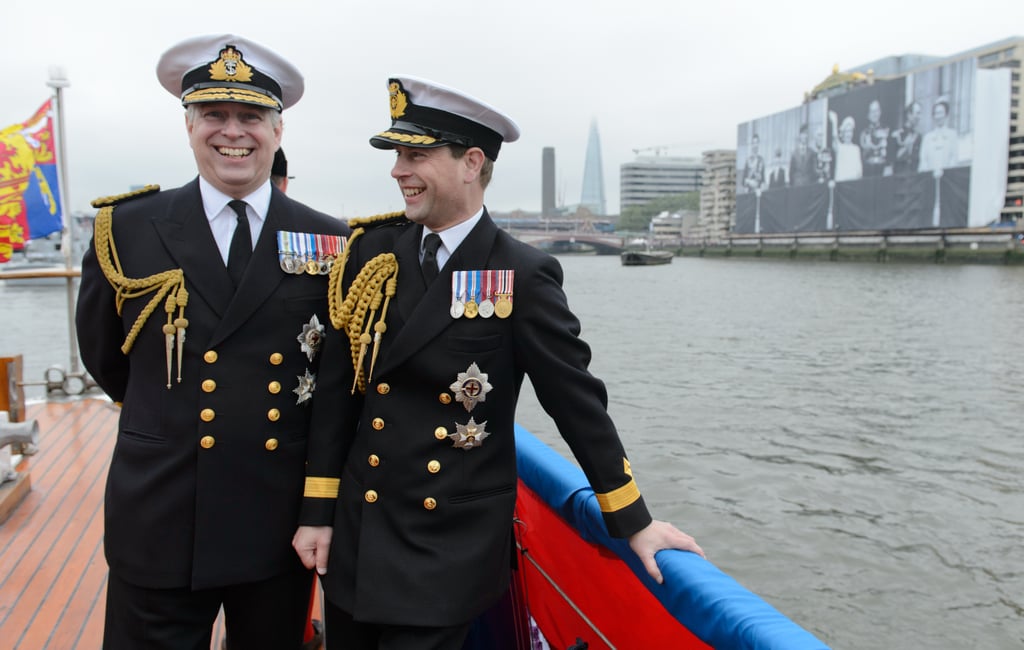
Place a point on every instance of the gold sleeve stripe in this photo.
(619, 498)
(319, 487)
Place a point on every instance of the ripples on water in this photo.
(843, 439)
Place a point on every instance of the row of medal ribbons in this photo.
(304, 252)
(482, 293)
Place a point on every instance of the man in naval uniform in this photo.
(209, 338)
(414, 465)
(279, 171)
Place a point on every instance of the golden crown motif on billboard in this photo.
(230, 67)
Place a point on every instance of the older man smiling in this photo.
(205, 484)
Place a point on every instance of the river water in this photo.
(843, 439)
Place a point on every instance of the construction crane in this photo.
(662, 148)
(657, 150)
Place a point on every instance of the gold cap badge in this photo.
(230, 67)
(398, 100)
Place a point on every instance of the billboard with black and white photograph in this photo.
(921, 151)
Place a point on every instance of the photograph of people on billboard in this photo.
(905, 142)
(887, 154)
(752, 178)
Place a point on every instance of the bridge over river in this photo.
(561, 241)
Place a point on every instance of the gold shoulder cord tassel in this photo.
(372, 289)
(168, 285)
(375, 282)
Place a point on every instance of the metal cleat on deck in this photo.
(18, 437)
(23, 437)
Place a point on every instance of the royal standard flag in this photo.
(29, 190)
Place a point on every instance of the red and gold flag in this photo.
(29, 189)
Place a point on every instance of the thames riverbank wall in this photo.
(966, 245)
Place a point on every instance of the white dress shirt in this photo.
(223, 219)
(451, 238)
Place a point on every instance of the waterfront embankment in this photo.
(954, 246)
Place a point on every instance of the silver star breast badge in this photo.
(311, 337)
(307, 384)
(469, 435)
(471, 387)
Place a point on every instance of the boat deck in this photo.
(53, 576)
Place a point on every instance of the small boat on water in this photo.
(646, 258)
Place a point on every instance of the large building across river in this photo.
(906, 142)
(650, 177)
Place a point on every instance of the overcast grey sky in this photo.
(679, 74)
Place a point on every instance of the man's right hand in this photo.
(313, 543)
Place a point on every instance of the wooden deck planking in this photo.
(52, 543)
(53, 575)
(76, 552)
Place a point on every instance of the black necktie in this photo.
(430, 245)
(241, 244)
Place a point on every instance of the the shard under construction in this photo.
(592, 197)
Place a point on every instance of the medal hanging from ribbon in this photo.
(503, 306)
(286, 251)
(483, 293)
(458, 307)
(486, 307)
(302, 255)
(473, 278)
(300, 252)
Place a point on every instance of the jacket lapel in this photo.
(411, 287)
(431, 314)
(185, 232)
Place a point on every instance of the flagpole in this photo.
(58, 81)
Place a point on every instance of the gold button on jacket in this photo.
(271, 444)
(370, 496)
(433, 467)
(440, 433)
(273, 415)
(207, 415)
(374, 460)
(277, 358)
(209, 385)
(274, 387)
(210, 356)
(206, 442)
(377, 423)
(430, 503)
(444, 398)
(383, 388)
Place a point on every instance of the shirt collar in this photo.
(214, 201)
(452, 237)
